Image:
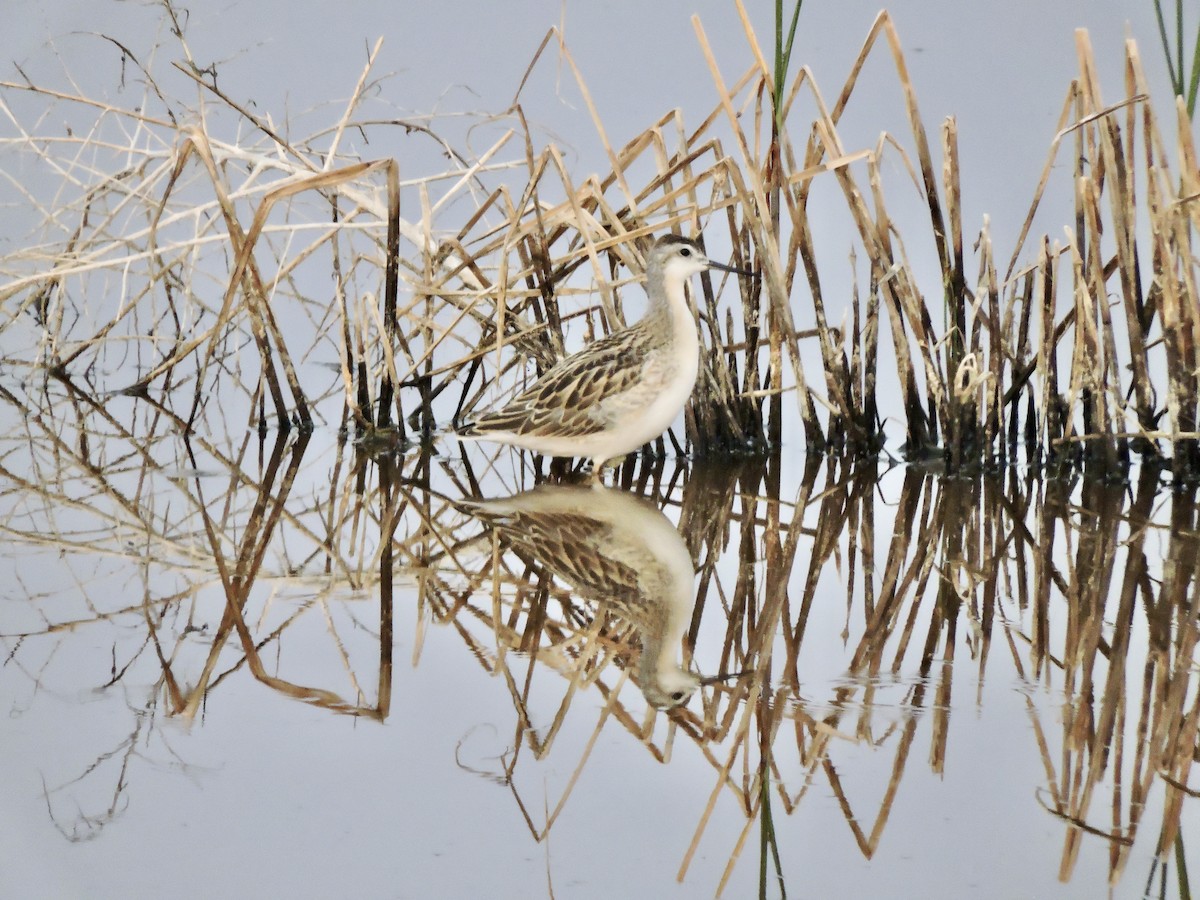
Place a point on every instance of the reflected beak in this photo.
(726, 676)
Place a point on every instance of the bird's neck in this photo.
(661, 645)
(669, 307)
(663, 609)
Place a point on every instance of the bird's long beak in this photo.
(725, 268)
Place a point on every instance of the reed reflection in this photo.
(872, 611)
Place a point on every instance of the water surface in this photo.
(290, 669)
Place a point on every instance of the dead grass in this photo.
(171, 305)
(1101, 633)
(968, 588)
(431, 319)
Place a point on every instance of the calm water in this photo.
(223, 679)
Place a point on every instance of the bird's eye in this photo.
(677, 696)
(685, 252)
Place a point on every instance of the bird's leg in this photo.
(597, 466)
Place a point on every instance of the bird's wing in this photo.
(567, 400)
(573, 546)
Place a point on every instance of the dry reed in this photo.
(1031, 362)
(142, 404)
(963, 583)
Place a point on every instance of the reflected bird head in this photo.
(670, 689)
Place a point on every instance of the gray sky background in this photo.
(1001, 69)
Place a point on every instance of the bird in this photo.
(617, 550)
(621, 391)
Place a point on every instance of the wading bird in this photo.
(621, 391)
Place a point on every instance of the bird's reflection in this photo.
(616, 549)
